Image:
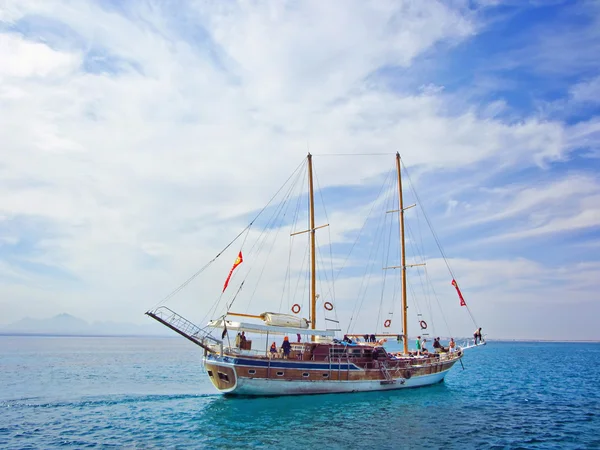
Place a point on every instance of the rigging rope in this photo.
(190, 279)
(258, 244)
(284, 203)
(386, 262)
(287, 281)
(329, 235)
(374, 250)
(439, 245)
(437, 301)
(354, 154)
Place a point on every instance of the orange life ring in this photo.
(328, 306)
(423, 325)
(387, 323)
(296, 308)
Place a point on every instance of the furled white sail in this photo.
(284, 320)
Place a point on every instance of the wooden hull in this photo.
(248, 377)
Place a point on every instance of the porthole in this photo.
(325, 375)
(251, 371)
(305, 374)
(210, 374)
(279, 374)
(223, 376)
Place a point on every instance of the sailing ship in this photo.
(322, 363)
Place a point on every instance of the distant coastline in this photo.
(68, 325)
(24, 334)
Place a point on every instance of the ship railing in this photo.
(186, 328)
(254, 353)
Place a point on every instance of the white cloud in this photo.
(586, 135)
(139, 171)
(22, 58)
(537, 208)
(586, 91)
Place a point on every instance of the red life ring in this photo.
(423, 325)
(296, 308)
(328, 306)
(387, 323)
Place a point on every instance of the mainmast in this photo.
(313, 257)
(403, 256)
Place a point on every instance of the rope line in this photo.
(437, 241)
(190, 279)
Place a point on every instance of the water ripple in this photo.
(151, 394)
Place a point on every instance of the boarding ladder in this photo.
(386, 375)
(186, 328)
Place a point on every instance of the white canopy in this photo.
(267, 329)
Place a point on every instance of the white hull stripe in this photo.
(270, 387)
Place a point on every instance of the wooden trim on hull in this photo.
(224, 378)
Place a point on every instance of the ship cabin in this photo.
(314, 345)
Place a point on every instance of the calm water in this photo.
(152, 393)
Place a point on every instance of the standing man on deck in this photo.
(476, 335)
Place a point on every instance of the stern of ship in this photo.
(222, 376)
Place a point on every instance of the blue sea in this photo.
(150, 393)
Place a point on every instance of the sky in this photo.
(138, 138)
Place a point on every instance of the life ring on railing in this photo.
(423, 325)
(387, 323)
(296, 308)
(328, 306)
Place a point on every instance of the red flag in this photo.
(462, 300)
(237, 262)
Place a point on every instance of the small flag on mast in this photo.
(462, 300)
(237, 262)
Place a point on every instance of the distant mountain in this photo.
(66, 324)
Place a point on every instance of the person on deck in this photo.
(242, 340)
(418, 345)
(299, 337)
(286, 346)
(273, 350)
(423, 349)
(373, 339)
(366, 338)
(238, 340)
(452, 345)
(477, 335)
(437, 345)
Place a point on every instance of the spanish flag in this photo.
(462, 300)
(237, 262)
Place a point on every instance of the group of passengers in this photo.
(421, 348)
(286, 347)
(240, 340)
(368, 338)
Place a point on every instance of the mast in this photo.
(313, 259)
(403, 256)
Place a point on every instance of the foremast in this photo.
(403, 257)
(313, 253)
